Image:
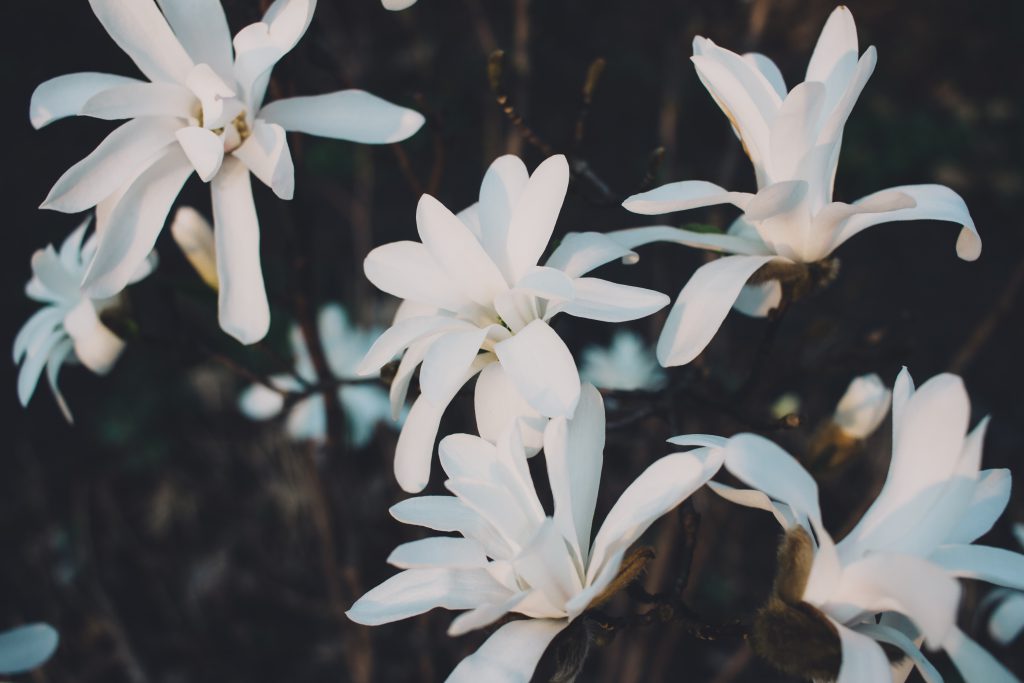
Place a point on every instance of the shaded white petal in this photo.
(259, 46)
(499, 506)
(542, 369)
(1007, 620)
(500, 190)
(794, 129)
(973, 662)
(411, 359)
(267, 155)
(989, 499)
(194, 235)
(683, 195)
(838, 38)
(447, 360)
(35, 360)
(759, 300)
(597, 299)
(484, 615)
(415, 591)
(204, 149)
(581, 252)
(243, 310)
(994, 565)
(581, 601)
(440, 513)
(65, 95)
(353, 115)
(702, 306)
(535, 213)
(407, 270)
(202, 29)
(497, 404)
(546, 283)
(38, 327)
(863, 406)
(888, 634)
(933, 202)
(134, 224)
(58, 355)
(632, 238)
(51, 280)
(136, 99)
(545, 564)
(510, 655)
(95, 345)
(141, 31)
(574, 454)
(769, 70)
(752, 498)
(26, 647)
(121, 158)
(439, 551)
(402, 335)
(862, 658)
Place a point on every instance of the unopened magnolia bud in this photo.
(194, 235)
(863, 407)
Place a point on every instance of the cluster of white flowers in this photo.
(478, 303)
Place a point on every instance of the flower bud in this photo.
(194, 235)
(863, 407)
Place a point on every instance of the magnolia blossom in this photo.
(902, 558)
(863, 407)
(1007, 620)
(26, 647)
(200, 111)
(628, 364)
(68, 328)
(793, 140)
(476, 300)
(511, 555)
(364, 404)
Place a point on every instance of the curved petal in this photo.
(353, 115)
(447, 360)
(597, 299)
(439, 551)
(1007, 620)
(759, 300)
(121, 158)
(887, 634)
(406, 269)
(65, 95)
(202, 29)
(581, 252)
(683, 195)
(484, 615)
(41, 325)
(135, 99)
(497, 404)
(632, 238)
(988, 501)
(403, 334)
(769, 70)
(95, 345)
(500, 190)
(838, 38)
(862, 658)
(36, 358)
(994, 565)
(26, 647)
(535, 213)
(702, 306)
(973, 662)
(542, 369)
(752, 498)
(204, 149)
(511, 654)
(267, 155)
(933, 202)
(58, 355)
(141, 31)
(243, 310)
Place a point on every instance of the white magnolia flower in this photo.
(476, 300)
(364, 404)
(1006, 622)
(793, 140)
(201, 111)
(902, 558)
(26, 647)
(510, 555)
(863, 407)
(68, 328)
(628, 364)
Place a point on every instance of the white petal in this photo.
(447, 360)
(542, 369)
(632, 238)
(760, 463)
(134, 224)
(581, 601)
(402, 335)
(598, 299)
(439, 551)
(887, 634)
(769, 70)
(137, 99)
(934, 202)
(994, 565)
(194, 235)
(407, 270)
(141, 31)
(973, 662)
(125, 154)
(497, 404)
(353, 115)
(702, 306)
(510, 655)
(38, 327)
(95, 345)
(35, 360)
(753, 498)
(58, 356)
(204, 149)
(534, 214)
(862, 658)
(397, 5)
(415, 591)
(500, 190)
(499, 506)
(51, 280)
(268, 156)
(259, 46)
(989, 499)
(26, 647)
(545, 564)
(574, 453)
(484, 615)
(683, 195)
(64, 96)
(863, 407)
(258, 402)
(411, 359)
(202, 28)
(794, 129)
(1007, 620)
(660, 488)
(838, 38)
(546, 283)
(457, 252)
(243, 310)
(759, 300)
(440, 513)
(581, 252)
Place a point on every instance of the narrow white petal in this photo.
(542, 369)
(243, 310)
(581, 252)
(546, 283)
(683, 195)
(632, 238)
(510, 655)
(500, 190)
(95, 345)
(535, 213)
(545, 564)
(702, 306)
(397, 5)
(446, 361)
(973, 662)
(134, 224)
(887, 634)
(202, 29)
(439, 551)
(403, 334)
(994, 565)
(485, 615)
(1007, 620)
(133, 100)
(988, 501)
(598, 299)
(141, 31)
(440, 513)
(26, 647)
(268, 156)
(769, 70)
(204, 149)
(753, 498)
(35, 360)
(399, 389)
(497, 404)
(64, 96)
(407, 270)
(794, 129)
(353, 115)
(194, 235)
(862, 658)
(39, 326)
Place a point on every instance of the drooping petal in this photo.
(497, 404)
(933, 202)
(535, 213)
(202, 29)
(500, 190)
(406, 269)
(134, 224)
(542, 369)
(887, 634)
(121, 158)
(141, 31)
(135, 99)
(753, 498)
(862, 658)
(445, 363)
(547, 566)
(511, 654)
(26, 647)
(702, 306)
(574, 454)
(581, 252)
(683, 195)
(974, 662)
(632, 238)
(994, 565)
(484, 615)
(405, 333)
(353, 115)
(989, 499)
(597, 299)
(267, 155)
(35, 360)
(95, 345)
(439, 551)
(243, 310)
(64, 96)
(415, 591)
(204, 149)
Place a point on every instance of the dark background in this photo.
(170, 540)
